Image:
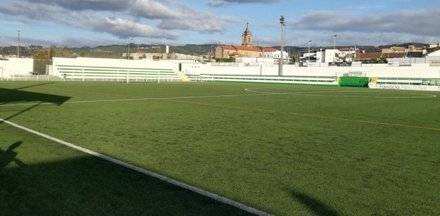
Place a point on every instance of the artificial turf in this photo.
(303, 150)
(39, 177)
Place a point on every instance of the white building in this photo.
(434, 45)
(16, 67)
(276, 55)
(436, 53)
(433, 58)
(256, 61)
(329, 56)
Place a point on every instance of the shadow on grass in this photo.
(8, 96)
(9, 156)
(17, 95)
(87, 185)
(35, 85)
(90, 186)
(314, 205)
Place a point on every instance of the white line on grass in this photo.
(256, 92)
(169, 180)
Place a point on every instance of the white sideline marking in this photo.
(169, 180)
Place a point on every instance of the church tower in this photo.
(246, 37)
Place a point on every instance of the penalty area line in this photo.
(169, 180)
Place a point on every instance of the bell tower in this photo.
(246, 37)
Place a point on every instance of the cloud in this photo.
(120, 27)
(121, 18)
(217, 3)
(110, 5)
(172, 15)
(415, 22)
(325, 38)
(64, 42)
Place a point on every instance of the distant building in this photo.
(372, 56)
(247, 49)
(233, 51)
(394, 50)
(135, 56)
(329, 56)
(437, 45)
(179, 56)
(274, 53)
(161, 56)
(436, 53)
(433, 58)
(410, 51)
(246, 37)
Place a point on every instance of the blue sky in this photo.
(96, 22)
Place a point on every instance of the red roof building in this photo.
(244, 50)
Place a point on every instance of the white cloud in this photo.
(217, 3)
(121, 18)
(415, 22)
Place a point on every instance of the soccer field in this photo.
(283, 149)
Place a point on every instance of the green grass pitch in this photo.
(284, 149)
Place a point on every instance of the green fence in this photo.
(40, 66)
(349, 81)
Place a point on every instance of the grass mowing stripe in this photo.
(136, 99)
(309, 115)
(281, 163)
(255, 92)
(142, 170)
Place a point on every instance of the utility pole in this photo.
(18, 44)
(281, 62)
(355, 51)
(128, 51)
(308, 46)
(211, 54)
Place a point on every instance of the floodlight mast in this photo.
(281, 61)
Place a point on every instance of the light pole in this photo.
(308, 46)
(128, 51)
(18, 44)
(334, 41)
(355, 51)
(129, 47)
(281, 62)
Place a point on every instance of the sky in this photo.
(77, 23)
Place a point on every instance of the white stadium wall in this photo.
(115, 69)
(114, 63)
(414, 77)
(195, 69)
(373, 70)
(16, 67)
(90, 69)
